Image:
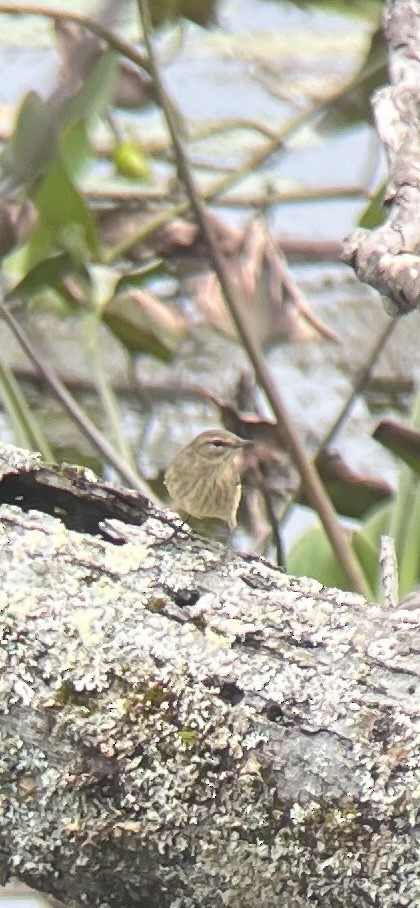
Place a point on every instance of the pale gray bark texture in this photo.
(388, 258)
(182, 729)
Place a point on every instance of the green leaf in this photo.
(155, 268)
(409, 559)
(47, 273)
(375, 213)
(107, 283)
(99, 369)
(74, 148)
(377, 525)
(65, 221)
(97, 91)
(312, 556)
(35, 141)
(61, 205)
(32, 144)
(27, 431)
(200, 11)
(358, 9)
(401, 520)
(368, 558)
(131, 160)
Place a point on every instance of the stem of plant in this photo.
(79, 417)
(313, 486)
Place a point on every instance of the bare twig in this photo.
(276, 529)
(257, 199)
(358, 384)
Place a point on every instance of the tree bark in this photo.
(188, 728)
(388, 257)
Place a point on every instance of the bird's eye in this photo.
(219, 444)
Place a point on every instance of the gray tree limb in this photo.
(183, 728)
(388, 257)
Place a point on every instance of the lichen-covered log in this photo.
(388, 257)
(181, 728)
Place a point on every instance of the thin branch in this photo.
(314, 489)
(75, 412)
(358, 385)
(303, 194)
(118, 44)
(275, 527)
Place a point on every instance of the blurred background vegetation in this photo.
(117, 346)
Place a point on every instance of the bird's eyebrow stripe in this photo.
(221, 443)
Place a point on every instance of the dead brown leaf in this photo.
(271, 299)
(178, 233)
(134, 87)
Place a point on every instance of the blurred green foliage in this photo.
(312, 555)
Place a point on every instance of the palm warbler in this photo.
(204, 479)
